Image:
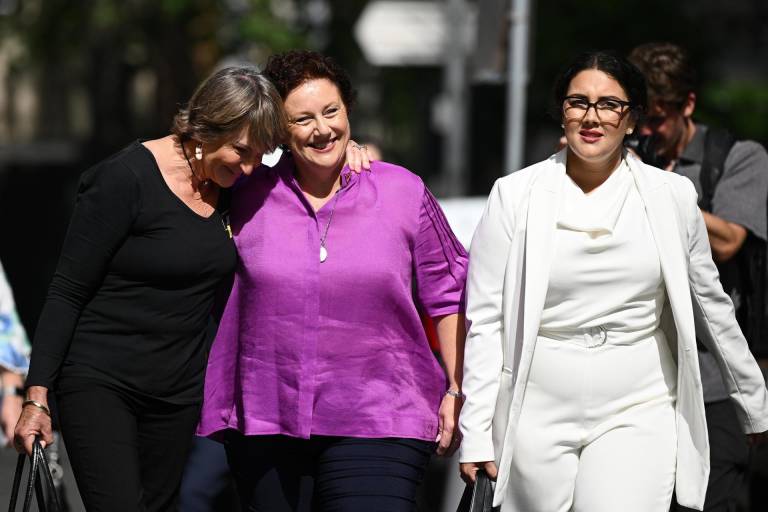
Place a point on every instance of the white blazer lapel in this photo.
(668, 232)
(540, 233)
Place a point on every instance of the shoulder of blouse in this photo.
(397, 180)
(122, 174)
(395, 173)
(127, 166)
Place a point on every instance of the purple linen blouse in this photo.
(334, 348)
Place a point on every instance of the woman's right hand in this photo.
(33, 422)
(468, 470)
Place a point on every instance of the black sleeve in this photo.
(108, 201)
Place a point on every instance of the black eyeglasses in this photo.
(607, 109)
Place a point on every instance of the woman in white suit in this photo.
(590, 278)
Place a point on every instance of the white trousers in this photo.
(597, 429)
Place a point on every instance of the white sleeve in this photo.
(483, 352)
(717, 329)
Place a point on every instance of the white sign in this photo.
(403, 33)
(463, 214)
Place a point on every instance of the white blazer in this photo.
(509, 266)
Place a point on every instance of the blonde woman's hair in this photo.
(228, 101)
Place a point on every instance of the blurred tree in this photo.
(131, 62)
(727, 41)
(92, 75)
(740, 105)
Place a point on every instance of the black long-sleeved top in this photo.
(130, 301)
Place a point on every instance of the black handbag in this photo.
(478, 497)
(39, 482)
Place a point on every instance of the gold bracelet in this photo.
(38, 405)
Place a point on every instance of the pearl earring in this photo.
(199, 152)
(562, 125)
(629, 131)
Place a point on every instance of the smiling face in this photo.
(224, 163)
(318, 125)
(596, 135)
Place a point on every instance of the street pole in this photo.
(455, 145)
(517, 67)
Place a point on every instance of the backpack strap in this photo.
(717, 144)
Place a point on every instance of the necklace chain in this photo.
(224, 215)
(330, 219)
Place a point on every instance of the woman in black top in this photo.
(123, 336)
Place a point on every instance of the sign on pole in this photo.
(408, 33)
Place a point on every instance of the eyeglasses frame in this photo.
(626, 106)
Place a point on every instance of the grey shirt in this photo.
(740, 198)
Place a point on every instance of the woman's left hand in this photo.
(448, 435)
(357, 157)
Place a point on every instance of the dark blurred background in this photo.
(81, 79)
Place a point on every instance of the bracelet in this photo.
(38, 405)
(13, 391)
(455, 394)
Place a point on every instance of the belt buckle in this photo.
(595, 336)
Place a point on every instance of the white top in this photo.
(606, 275)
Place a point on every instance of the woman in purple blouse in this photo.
(321, 381)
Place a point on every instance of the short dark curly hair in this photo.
(668, 72)
(291, 69)
(612, 64)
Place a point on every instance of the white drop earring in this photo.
(629, 131)
(199, 152)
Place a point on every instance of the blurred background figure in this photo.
(14, 361)
(731, 179)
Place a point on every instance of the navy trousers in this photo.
(327, 474)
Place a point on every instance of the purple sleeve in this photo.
(440, 262)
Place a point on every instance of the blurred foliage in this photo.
(741, 106)
(722, 38)
(110, 48)
(101, 48)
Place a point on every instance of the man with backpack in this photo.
(731, 178)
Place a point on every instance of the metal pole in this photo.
(455, 87)
(517, 68)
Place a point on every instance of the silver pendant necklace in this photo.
(323, 250)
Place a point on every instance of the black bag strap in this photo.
(17, 483)
(478, 497)
(717, 144)
(38, 481)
